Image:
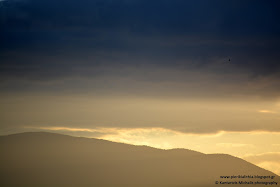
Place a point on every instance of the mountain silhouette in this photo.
(53, 160)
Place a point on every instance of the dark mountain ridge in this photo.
(48, 159)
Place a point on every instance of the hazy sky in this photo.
(203, 75)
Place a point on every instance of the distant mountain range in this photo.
(40, 159)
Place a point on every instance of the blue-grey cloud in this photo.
(53, 41)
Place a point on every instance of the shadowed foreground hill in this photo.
(49, 160)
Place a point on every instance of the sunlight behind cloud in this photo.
(271, 166)
(204, 117)
(231, 142)
(268, 160)
(232, 145)
(267, 111)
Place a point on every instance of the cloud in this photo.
(271, 166)
(269, 161)
(192, 116)
(120, 131)
(91, 111)
(232, 145)
(167, 51)
(167, 138)
(267, 111)
(67, 129)
(271, 156)
(144, 80)
(136, 136)
(154, 131)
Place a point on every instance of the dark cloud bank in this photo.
(128, 46)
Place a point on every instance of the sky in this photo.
(197, 74)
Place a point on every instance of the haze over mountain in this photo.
(48, 159)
